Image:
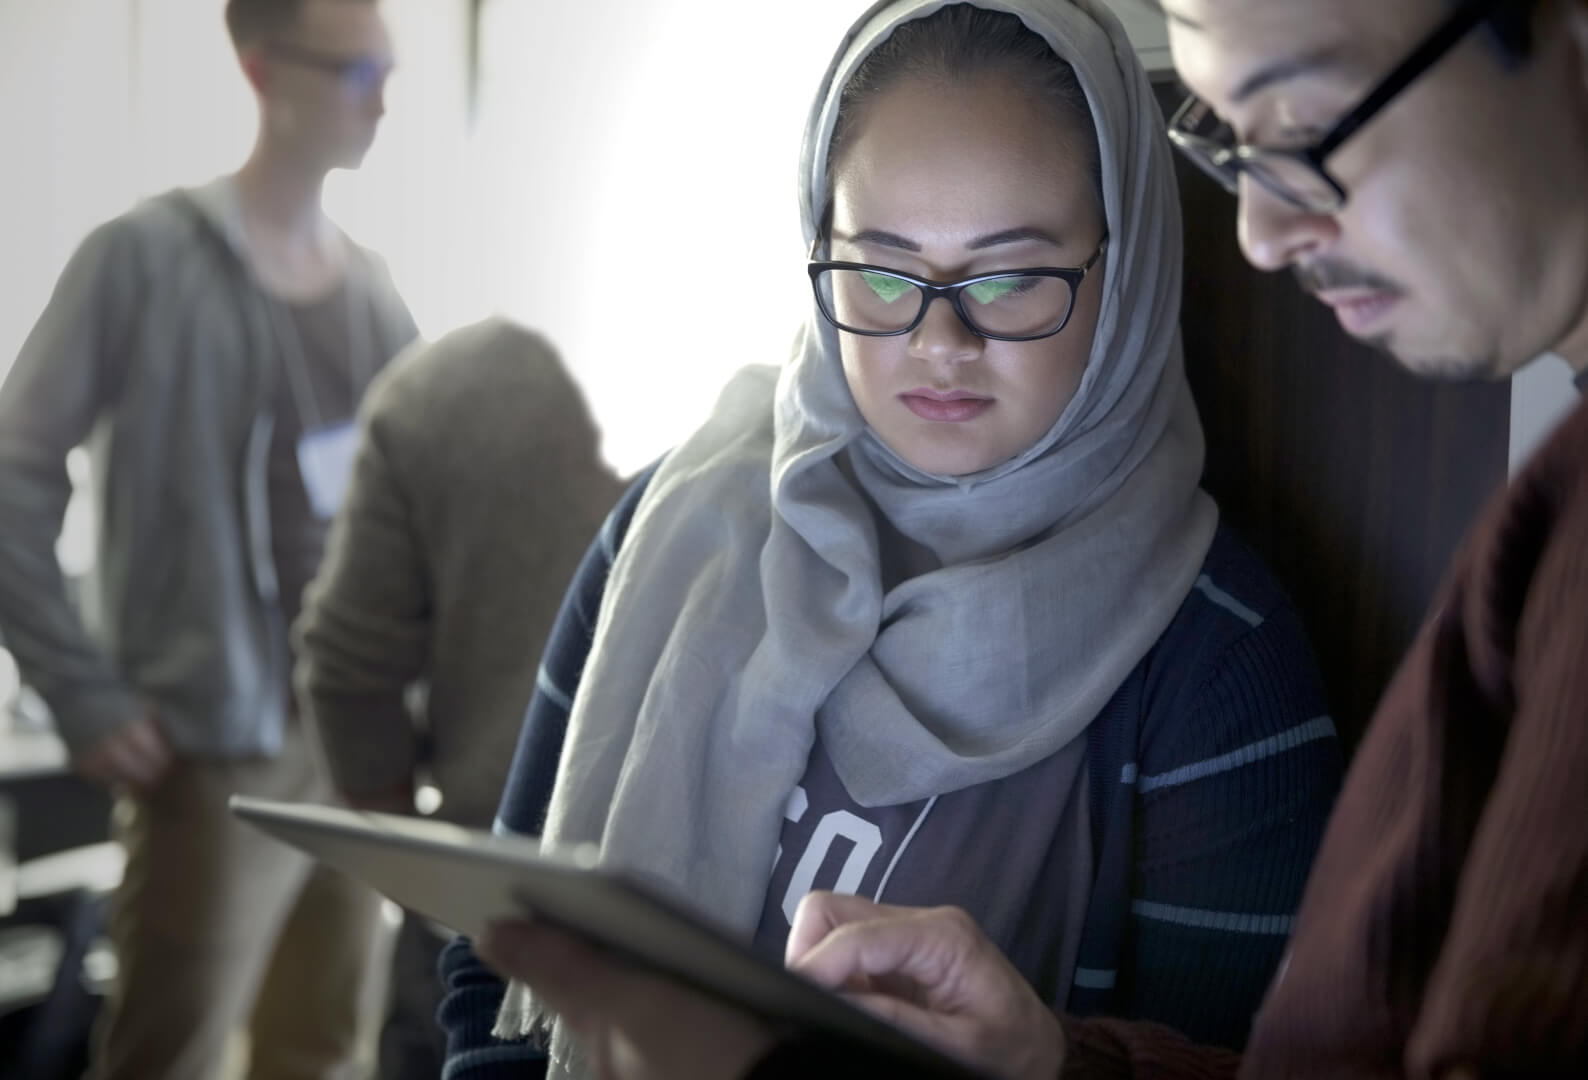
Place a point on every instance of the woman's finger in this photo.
(920, 947)
(820, 913)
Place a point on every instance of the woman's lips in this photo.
(946, 406)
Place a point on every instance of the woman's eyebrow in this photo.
(1014, 236)
(883, 238)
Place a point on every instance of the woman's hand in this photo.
(932, 972)
(633, 1025)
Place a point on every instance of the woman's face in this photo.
(943, 181)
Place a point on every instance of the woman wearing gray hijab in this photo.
(935, 613)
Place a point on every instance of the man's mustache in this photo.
(1323, 275)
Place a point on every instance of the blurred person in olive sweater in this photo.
(477, 485)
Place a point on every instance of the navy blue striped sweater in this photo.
(1213, 769)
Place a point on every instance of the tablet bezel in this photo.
(465, 878)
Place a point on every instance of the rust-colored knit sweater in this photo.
(1445, 925)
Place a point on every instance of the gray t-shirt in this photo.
(321, 330)
(1015, 853)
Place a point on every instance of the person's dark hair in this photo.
(249, 21)
(959, 42)
(1509, 28)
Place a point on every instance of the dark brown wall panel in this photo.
(1353, 479)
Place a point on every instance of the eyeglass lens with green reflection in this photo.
(1015, 305)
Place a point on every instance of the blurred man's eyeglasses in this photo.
(1299, 176)
(1015, 305)
(359, 75)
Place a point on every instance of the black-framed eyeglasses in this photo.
(1012, 305)
(1299, 176)
(357, 74)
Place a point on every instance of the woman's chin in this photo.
(947, 460)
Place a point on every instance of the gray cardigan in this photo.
(158, 348)
(476, 487)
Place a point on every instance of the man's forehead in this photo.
(1224, 47)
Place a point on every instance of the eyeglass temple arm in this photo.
(1422, 58)
(1102, 245)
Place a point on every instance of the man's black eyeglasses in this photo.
(357, 74)
(1300, 176)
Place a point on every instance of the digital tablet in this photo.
(468, 878)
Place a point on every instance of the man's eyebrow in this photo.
(1327, 58)
(883, 238)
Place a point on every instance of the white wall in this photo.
(638, 163)
(65, 66)
(406, 200)
(1541, 395)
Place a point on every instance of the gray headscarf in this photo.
(746, 611)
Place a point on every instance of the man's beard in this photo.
(1323, 275)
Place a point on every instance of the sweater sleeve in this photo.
(1236, 778)
(364, 634)
(1509, 992)
(1443, 931)
(473, 993)
(65, 376)
(1236, 774)
(807, 1055)
(1096, 1050)
(1104, 1049)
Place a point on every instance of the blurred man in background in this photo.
(477, 486)
(211, 344)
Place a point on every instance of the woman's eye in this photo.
(888, 289)
(986, 292)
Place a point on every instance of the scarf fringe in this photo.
(522, 1017)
